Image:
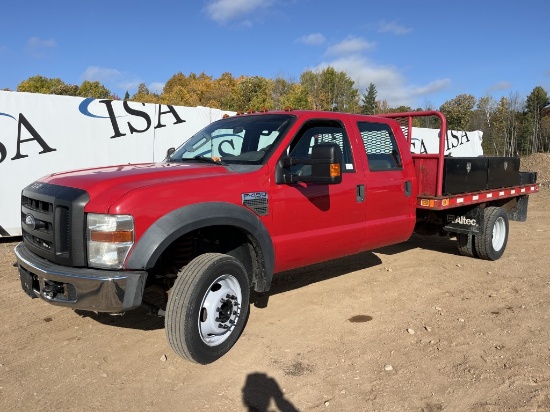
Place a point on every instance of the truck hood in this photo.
(107, 184)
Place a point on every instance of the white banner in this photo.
(457, 143)
(42, 134)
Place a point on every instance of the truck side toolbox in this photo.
(502, 172)
(465, 174)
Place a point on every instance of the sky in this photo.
(418, 53)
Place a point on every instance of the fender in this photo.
(175, 224)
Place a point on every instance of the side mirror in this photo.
(169, 152)
(324, 166)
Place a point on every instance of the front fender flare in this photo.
(177, 223)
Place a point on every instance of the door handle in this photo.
(408, 188)
(360, 193)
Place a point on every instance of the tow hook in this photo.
(52, 289)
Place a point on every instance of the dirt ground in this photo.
(413, 327)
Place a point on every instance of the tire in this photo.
(466, 244)
(207, 307)
(493, 237)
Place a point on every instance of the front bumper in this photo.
(79, 288)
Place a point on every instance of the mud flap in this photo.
(519, 212)
(464, 220)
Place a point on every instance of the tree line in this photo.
(511, 126)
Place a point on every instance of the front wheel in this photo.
(207, 307)
(493, 237)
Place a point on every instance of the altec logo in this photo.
(461, 220)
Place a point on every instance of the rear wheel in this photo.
(207, 307)
(466, 244)
(491, 241)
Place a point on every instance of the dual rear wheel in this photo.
(491, 241)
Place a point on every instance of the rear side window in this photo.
(380, 146)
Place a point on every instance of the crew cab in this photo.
(247, 197)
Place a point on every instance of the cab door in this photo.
(390, 183)
(315, 222)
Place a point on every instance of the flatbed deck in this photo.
(464, 199)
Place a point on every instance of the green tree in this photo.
(535, 103)
(330, 90)
(280, 88)
(296, 97)
(253, 94)
(369, 100)
(93, 89)
(126, 95)
(459, 111)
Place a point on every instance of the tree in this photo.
(39, 84)
(536, 101)
(482, 119)
(280, 89)
(93, 89)
(296, 97)
(144, 96)
(126, 96)
(65, 90)
(253, 94)
(330, 90)
(458, 111)
(369, 100)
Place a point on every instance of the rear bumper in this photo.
(79, 288)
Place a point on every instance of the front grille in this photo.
(53, 224)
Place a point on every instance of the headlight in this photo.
(110, 238)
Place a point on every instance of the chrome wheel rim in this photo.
(220, 310)
(499, 234)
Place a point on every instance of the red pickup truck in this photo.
(246, 197)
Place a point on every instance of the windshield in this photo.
(235, 140)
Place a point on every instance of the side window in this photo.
(380, 145)
(319, 132)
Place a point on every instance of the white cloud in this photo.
(38, 43)
(112, 78)
(500, 86)
(313, 39)
(390, 83)
(393, 28)
(350, 45)
(101, 74)
(156, 87)
(223, 11)
(38, 47)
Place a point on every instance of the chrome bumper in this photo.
(79, 288)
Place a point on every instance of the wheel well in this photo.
(229, 240)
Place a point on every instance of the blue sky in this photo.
(417, 53)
